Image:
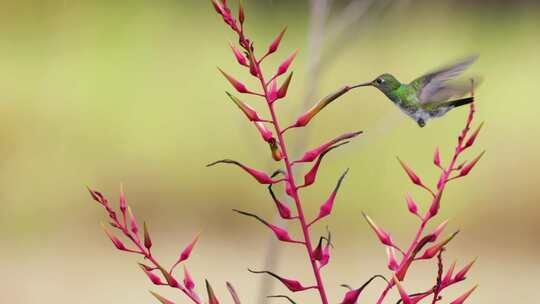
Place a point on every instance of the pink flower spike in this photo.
(311, 176)
(282, 92)
(280, 233)
(460, 276)
(467, 168)
(292, 285)
(133, 222)
(282, 69)
(161, 299)
(392, 261)
(326, 208)
(383, 236)
(411, 205)
(152, 276)
(117, 243)
(472, 139)
(462, 298)
(261, 177)
(448, 276)
(311, 155)
(414, 178)
(402, 293)
(239, 56)
(437, 158)
(240, 87)
(275, 44)
(265, 133)
(188, 281)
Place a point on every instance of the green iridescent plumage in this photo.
(427, 96)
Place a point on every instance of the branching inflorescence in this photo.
(272, 88)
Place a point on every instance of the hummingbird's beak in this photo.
(365, 84)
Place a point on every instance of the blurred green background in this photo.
(100, 93)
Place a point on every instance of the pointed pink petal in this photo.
(240, 87)
(472, 139)
(411, 204)
(311, 176)
(272, 91)
(292, 285)
(402, 293)
(279, 232)
(153, 277)
(188, 281)
(414, 178)
(261, 177)
(250, 113)
(313, 154)
(263, 130)
(161, 299)
(282, 91)
(467, 168)
(283, 67)
(351, 297)
(275, 44)
(392, 261)
(383, 236)
(133, 222)
(239, 56)
(326, 208)
(187, 250)
(212, 299)
(117, 243)
(460, 276)
(462, 298)
(233, 293)
(283, 209)
(448, 276)
(305, 118)
(437, 158)
(434, 250)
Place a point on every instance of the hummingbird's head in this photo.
(385, 83)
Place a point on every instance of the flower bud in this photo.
(383, 236)
(275, 44)
(240, 87)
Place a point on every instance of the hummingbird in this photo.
(427, 96)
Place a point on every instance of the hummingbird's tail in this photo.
(460, 102)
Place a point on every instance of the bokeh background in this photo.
(100, 93)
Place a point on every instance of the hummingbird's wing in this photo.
(434, 86)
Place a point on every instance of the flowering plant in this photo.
(272, 88)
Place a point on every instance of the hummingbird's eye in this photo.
(379, 80)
